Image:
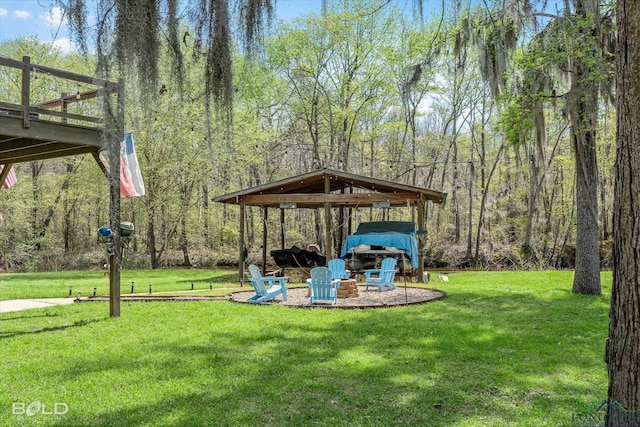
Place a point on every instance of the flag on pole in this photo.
(131, 184)
(11, 179)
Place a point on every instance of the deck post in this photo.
(114, 132)
(63, 105)
(26, 89)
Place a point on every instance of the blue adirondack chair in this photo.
(338, 269)
(322, 286)
(385, 275)
(266, 287)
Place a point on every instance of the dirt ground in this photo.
(299, 296)
(369, 299)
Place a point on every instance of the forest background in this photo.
(379, 91)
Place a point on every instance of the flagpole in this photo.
(115, 135)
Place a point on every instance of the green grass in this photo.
(59, 284)
(504, 349)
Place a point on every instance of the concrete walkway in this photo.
(27, 304)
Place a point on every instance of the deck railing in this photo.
(30, 111)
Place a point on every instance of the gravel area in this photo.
(298, 297)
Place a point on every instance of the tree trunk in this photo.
(483, 203)
(52, 210)
(586, 279)
(68, 212)
(454, 185)
(208, 243)
(134, 243)
(184, 242)
(604, 216)
(471, 172)
(151, 241)
(536, 172)
(623, 345)
(36, 167)
(583, 113)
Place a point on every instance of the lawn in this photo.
(504, 349)
(65, 284)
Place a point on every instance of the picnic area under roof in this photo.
(327, 189)
(314, 189)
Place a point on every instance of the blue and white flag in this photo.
(131, 184)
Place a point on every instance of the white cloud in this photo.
(22, 14)
(54, 17)
(3, 12)
(65, 45)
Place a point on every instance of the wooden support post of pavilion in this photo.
(282, 236)
(327, 218)
(265, 212)
(241, 246)
(421, 227)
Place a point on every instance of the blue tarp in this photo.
(405, 240)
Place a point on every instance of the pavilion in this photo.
(327, 189)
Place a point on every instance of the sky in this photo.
(29, 18)
(36, 18)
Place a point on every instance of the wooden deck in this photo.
(39, 129)
(43, 130)
(44, 140)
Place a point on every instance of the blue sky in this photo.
(35, 18)
(28, 18)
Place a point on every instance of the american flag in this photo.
(11, 177)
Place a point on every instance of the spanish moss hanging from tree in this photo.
(130, 31)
